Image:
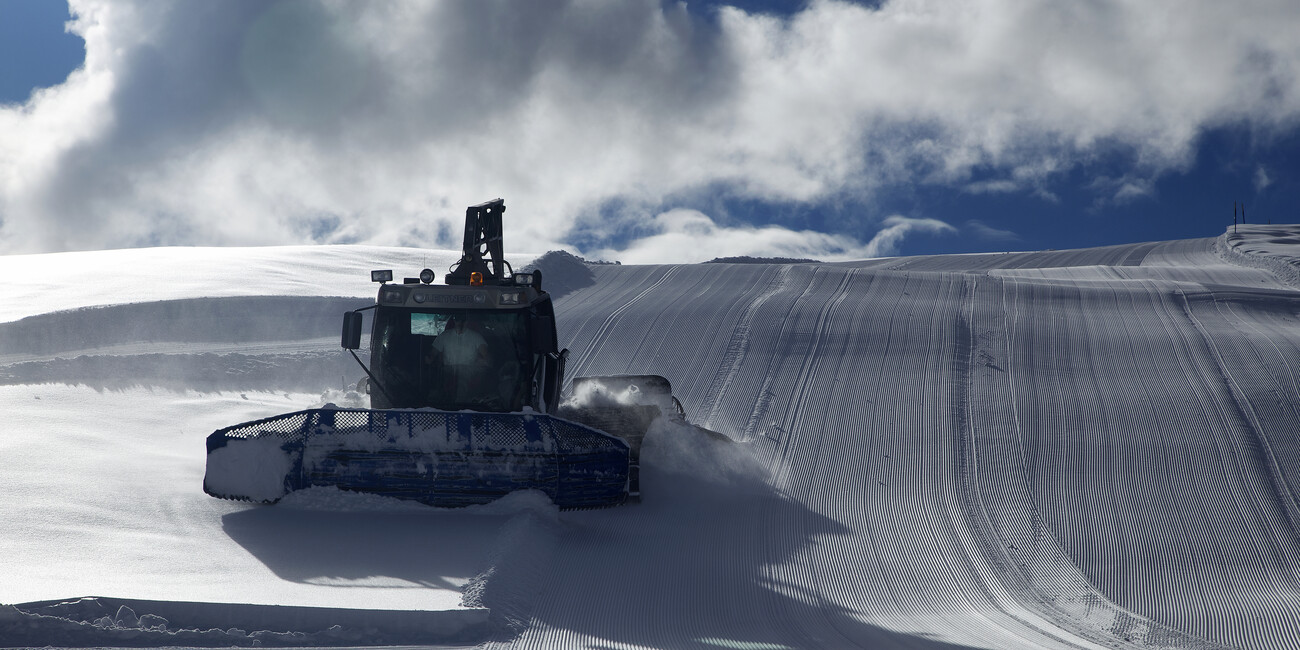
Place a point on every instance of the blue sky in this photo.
(35, 51)
(646, 131)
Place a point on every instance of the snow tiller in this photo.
(464, 386)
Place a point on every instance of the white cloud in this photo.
(886, 241)
(247, 123)
(1262, 179)
(1125, 189)
(687, 236)
(986, 232)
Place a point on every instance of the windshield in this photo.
(453, 360)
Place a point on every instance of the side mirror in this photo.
(352, 330)
(544, 335)
(554, 378)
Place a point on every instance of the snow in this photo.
(598, 393)
(61, 281)
(1055, 449)
(1268, 247)
(251, 467)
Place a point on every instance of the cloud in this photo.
(251, 121)
(688, 236)
(986, 232)
(886, 241)
(1124, 189)
(1262, 179)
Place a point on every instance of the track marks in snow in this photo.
(690, 329)
(1000, 472)
(853, 540)
(609, 325)
(738, 346)
(1002, 460)
(1257, 347)
(811, 356)
(1140, 462)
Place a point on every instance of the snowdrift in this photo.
(1061, 449)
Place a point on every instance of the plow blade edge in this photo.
(441, 458)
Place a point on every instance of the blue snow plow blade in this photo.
(441, 458)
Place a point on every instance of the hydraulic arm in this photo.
(482, 237)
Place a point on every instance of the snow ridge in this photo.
(1263, 247)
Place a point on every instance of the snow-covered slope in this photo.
(1062, 449)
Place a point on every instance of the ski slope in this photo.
(1061, 449)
